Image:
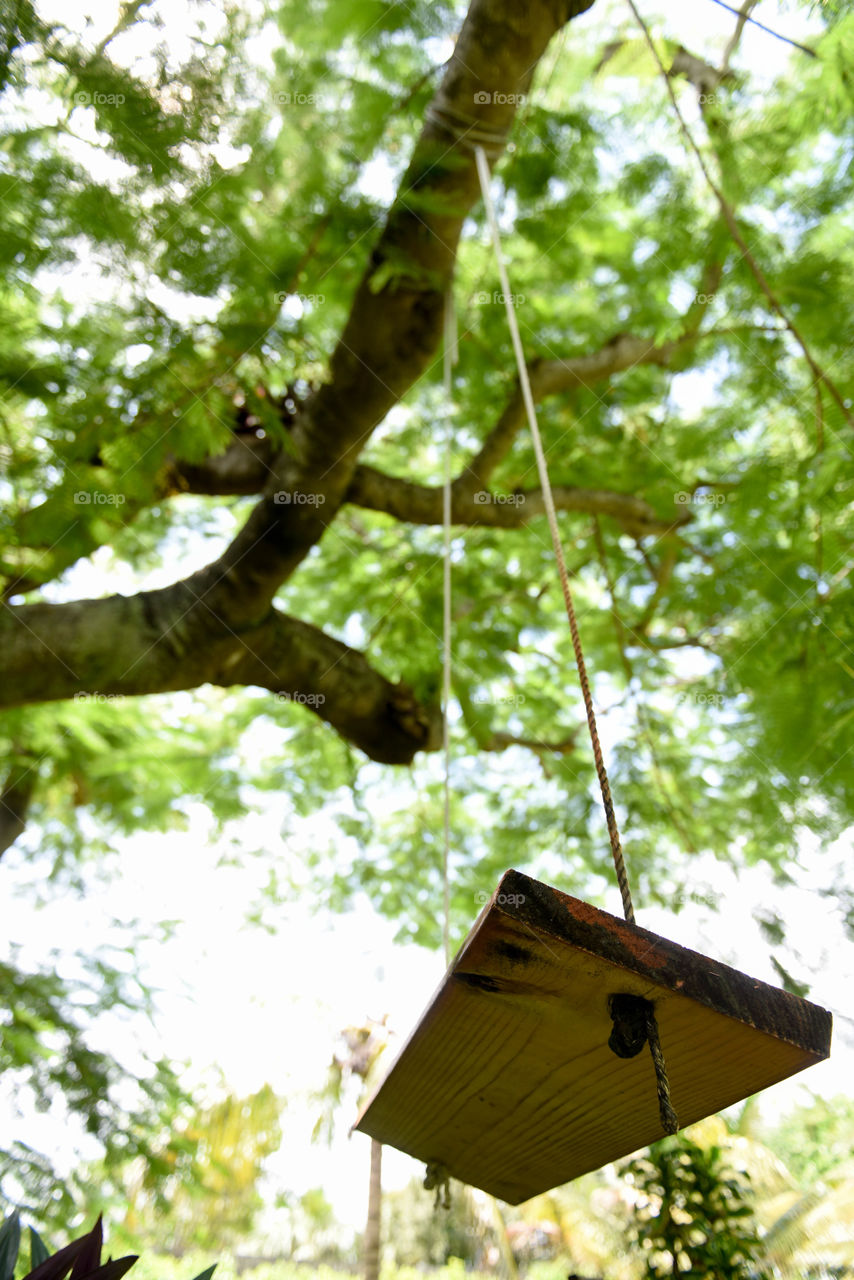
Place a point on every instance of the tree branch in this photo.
(820, 375)
(243, 468)
(108, 646)
(395, 320)
(247, 464)
(549, 377)
(217, 626)
(422, 504)
(498, 740)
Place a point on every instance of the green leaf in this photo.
(39, 1251)
(10, 1241)
(207, 1273)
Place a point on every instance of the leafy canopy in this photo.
(186, 218)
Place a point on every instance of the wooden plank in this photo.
(508, 1080)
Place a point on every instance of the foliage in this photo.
(693, 1214)
(415, 1232)
(307, 1229)
(804, 1226)
(714, 755)
(356, 1060)
(809, 1225)
(82, 1257)
(49, 1065)
(200, 1185)
(169, 1268)
(184, 222)
(816, 1138)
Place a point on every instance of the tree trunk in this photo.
(372, 1227)
(508, 1258)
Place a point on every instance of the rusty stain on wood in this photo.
(508, 1080)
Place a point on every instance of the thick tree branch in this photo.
(395, 321)
(246, 465)
(242, 469)
(107, 646)
(217, 626)
(422, 504)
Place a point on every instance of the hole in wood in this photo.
(629, 1014)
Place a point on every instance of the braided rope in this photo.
(668, 1116)
(669, 1119)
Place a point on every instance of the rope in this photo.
(668, 1116)
(449, 360)
(465, 129)
(669, 1119)
(548, 503)
(437, 1178)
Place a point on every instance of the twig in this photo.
(746, 17)
(743, 16)
(735, 230)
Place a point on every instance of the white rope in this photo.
(524, 380)
(449, 360)
(548, 503)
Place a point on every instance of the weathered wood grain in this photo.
(508, 1080)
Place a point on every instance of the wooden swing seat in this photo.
(508, 1080)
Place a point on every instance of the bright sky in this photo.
(268, 1007)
